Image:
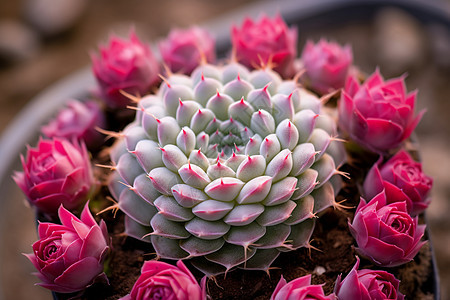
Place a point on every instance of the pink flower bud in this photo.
(267, 41)
(378, 114)
(160, 280)
(127, 65)
(56, 172)
(386, 233)
(403, 180)
(367, 284)
(78, 120)
(70, 256)
(327, 65)
(299, 289)
(183, 50)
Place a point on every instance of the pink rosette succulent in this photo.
(70, 256)
(127, 65)
(183, 50)
(402, 179)
(268, 41)
(379, 115)
(386, 233)
(78, 120)
(327, 65)
(368, 284)
(160, 280)
(56, 172)
(299, 289)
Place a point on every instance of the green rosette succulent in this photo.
(226, 167)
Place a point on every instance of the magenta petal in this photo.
(94, 244)
(66, 217)
(80, 275)
(383, 134)
(373, 183)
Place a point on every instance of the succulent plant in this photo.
(227, 167)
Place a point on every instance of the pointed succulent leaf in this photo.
(305, 121)
(216, 137)
(163, 180)
(173, 158)
(235, 160)
(133, 136)
(263, 77)
(136, 208)
(188, 196)
(115, 184)
(173, 95)
(290, 87)
(137, 230)
(169, 229)
(262, 123)
(281, 191)
(323, 197)
(219, 104)
(251, 167)
(201, 119)
(237, 88)
(148, 155)
(212, 126)
(309, 100)
(283, 107)
(207, 267)
(202, 141)
(336, 150)
(150, 118)
(280, 166)
(270, 146)
(303, 210)
(117, 149)
(224, 189)
(200, 247)
(144, 187)
(168, 130)
(255, 190)
(245, 235)
(231, 71)
(186, 140)
(325, 167)
(171, 210)
(207, 230)
(242, 215)
(241, 111)
(185, 112)
(220, 170)
(260, 99)
(205, 89)
(320, 139)
(303, 157)
(128, 168)
(230, 255)
(275, 237)
(253, 145)
(231, 125)
(287, 134)
(326, 123)
(301, 234)
(194, 176)
(307, 181)
(168, 248)
(206, 71)
(262, 260)
(274, 215)
(212, 210)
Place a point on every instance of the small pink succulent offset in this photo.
(402, 179)
(267, 41)
(56, 172)
(378, 114)
(386, 233)
(183, 49)
(367, 284)
(299, 289)
(160, 280)
(327, 65)
(127, 65)
(70, 256)
(78, 120)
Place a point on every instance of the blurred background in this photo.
(42, 41)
